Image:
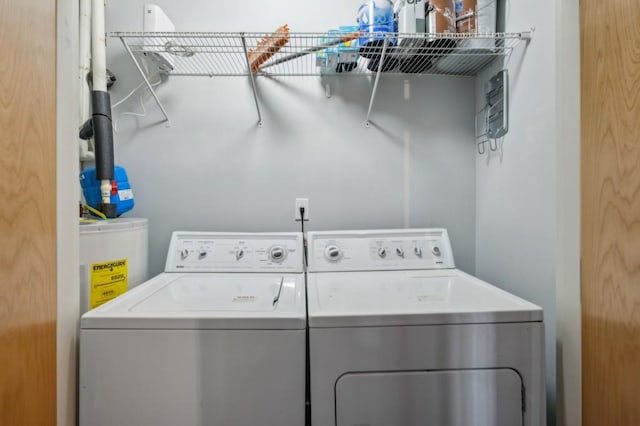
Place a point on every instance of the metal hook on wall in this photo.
(493, 145)
(482, 147)
(482, 123)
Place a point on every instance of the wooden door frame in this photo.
(28, 222)
(610, 212)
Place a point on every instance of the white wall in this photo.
(67, 210)
(215, 170)
(516, 188)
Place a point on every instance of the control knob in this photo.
(400, 252)
(382, 252)
(184, 253)
(239, 254)
(333, 253)
(436, 251)
(277, 254)
(418, 251)
(202, 253)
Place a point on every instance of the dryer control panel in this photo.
(382, 250)
(231, 252)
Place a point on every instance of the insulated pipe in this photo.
(101, 102)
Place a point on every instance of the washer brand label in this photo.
(245, 299)
(430, 298)
(108, 281)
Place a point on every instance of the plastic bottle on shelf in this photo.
(375, 19)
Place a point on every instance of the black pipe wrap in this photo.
(101, 103)
(109, 210)
(103, 135)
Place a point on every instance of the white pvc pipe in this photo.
(98, 46)
(99, 68)
(85, 67)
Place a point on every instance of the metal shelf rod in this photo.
(146, 80)
(252, 78)
(375, 84)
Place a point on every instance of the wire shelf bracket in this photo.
(212, 54)
(251, 78)
(385, 46)
(146, 81)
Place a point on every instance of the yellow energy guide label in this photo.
(108, 281)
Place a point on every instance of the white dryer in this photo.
(219, 338)
(398, 337)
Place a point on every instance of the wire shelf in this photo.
(282, 54)
(312, 54)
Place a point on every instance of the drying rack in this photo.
(217, 54)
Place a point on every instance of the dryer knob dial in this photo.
(202, 254)
(184, 253)
(400, 252)
(418, 251)
(436, 251)
(333, 253)
(382, 252)
(277, 254)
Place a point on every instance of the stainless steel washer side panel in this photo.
(335, 352)
(192, 377)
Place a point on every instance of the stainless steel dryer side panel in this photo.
(337, 352)
(192, 377)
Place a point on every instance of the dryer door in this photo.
(440, 398)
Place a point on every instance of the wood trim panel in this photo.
(27, 212)
(610, 212)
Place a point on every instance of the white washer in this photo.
(399, 337)
(219, 338)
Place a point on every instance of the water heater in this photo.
(114, 258)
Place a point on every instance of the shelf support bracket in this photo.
(146, 80)
(375, 84)
(251, 78)
(527, 36)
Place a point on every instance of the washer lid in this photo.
(388, 298)
(206, 301)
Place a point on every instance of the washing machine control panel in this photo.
(380, 250)
(227, 252)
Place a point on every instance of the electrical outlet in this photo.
(302, 202)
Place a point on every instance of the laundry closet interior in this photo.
(223, 151)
